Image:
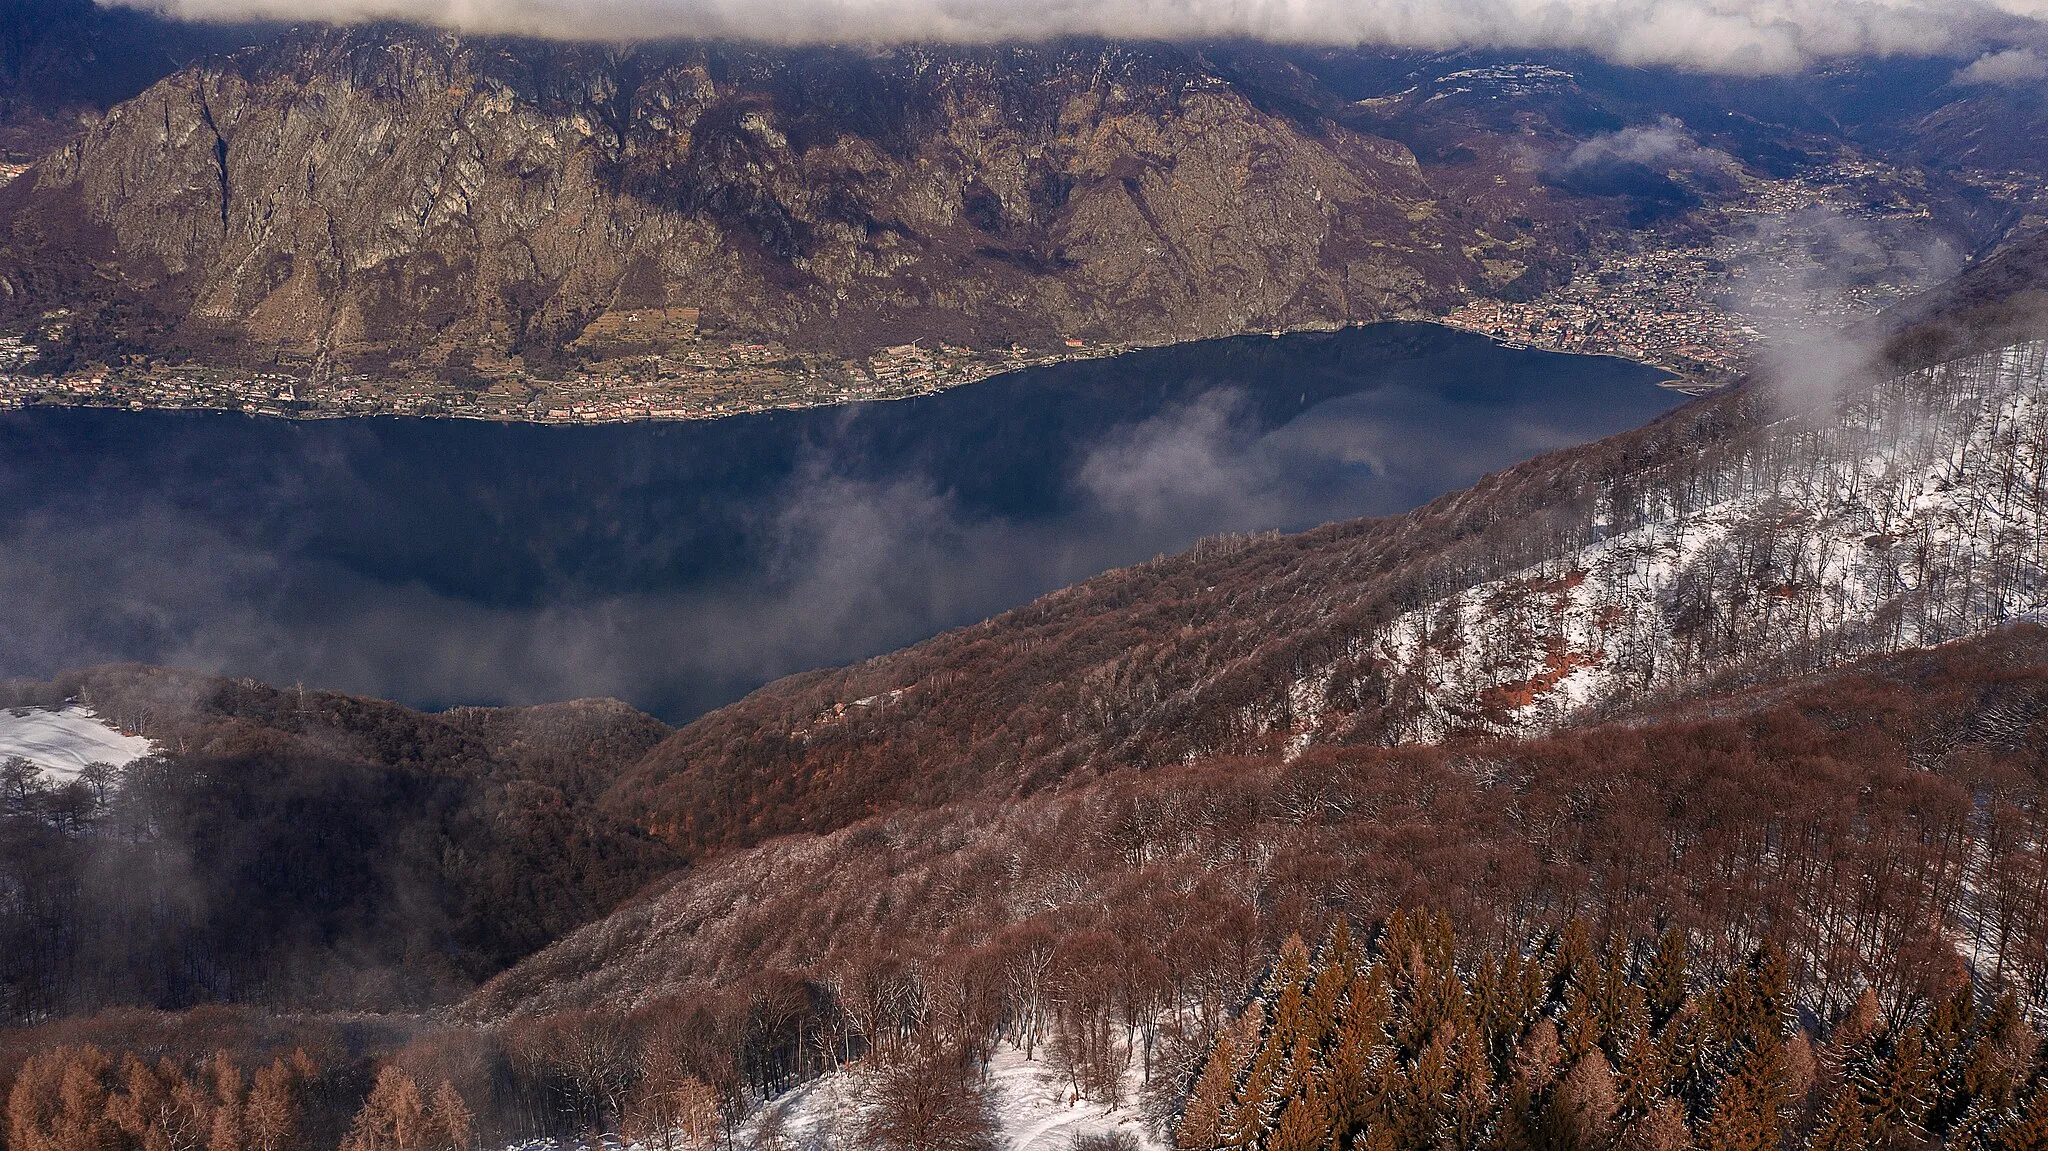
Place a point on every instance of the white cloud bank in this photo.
(2013, 66)
(1736, 36)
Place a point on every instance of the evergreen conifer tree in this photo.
(1341, 952)
(1201, 1124)
(1643, 1077)
(1998, 1054)
(2028, 1131)
(452, 1119)
(1359, 1049)
(1305, 1123)
(1901, 1092)
(1662, 1128)
(1515, 1129)
(272, 1118)
(1251, 1113)
(1842, 1126)
(1581, 1112)
(1747, 1111)
(394, 1118)
(1665, 980)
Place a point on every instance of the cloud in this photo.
(1664, 145)
(1733, 36)
(2012, 66)
(1641, 162)
(1805, 277)
(341, 554)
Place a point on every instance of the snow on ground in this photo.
(1923, 506)
(1033, 1109)
(63, 742)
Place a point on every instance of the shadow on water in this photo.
(678, 566)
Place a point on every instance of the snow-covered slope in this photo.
(1907, 514)
(63, 742)
(1032, 1109)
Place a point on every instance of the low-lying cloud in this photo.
(322, 552)
(2010, 67)
(1733, 36)
(1642, 162)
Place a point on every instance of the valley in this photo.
(1323, 577)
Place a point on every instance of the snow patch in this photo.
(63, 742)
(1033, 1108)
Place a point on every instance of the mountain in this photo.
(400, 204)
(1681, 789)
(1754, 684)
(65, 62)
(1859, 829)
(838, 200)
(1669, 818)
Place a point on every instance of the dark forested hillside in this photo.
(302, 848)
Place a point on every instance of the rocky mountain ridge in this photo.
(393, 200)
(675, 224)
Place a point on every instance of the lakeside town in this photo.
(687, 383)
(1787, 258)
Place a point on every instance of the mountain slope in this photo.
(1750, 812)
(390, 199)
(1907, 514)
(1245, 645)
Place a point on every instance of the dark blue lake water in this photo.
(678, 566)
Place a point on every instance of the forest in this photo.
(1159, 836)
(304, 849)
(1573, 1044)
(1863, 845)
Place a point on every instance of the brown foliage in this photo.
(926, 1100)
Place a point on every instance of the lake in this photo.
(679, 565)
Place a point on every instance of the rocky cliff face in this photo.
(64, 61)
(390, 199)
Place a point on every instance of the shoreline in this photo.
(228, 392)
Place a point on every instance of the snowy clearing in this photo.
(1032, 1108)
(63, 742)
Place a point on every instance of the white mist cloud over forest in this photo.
(1735, 36)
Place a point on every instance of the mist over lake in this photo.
(678, 566)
